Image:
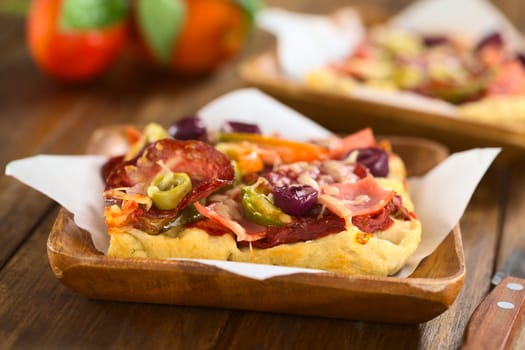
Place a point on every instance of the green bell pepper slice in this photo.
(259, 208)
(168, 189)
(187, 215)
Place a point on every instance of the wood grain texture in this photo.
(513, 226)
(38, 115)
(38, 312)
(480, 229)
(493, 325)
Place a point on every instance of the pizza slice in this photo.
(339, 204)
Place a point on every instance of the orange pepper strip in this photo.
(133, 134)
(246, 155)
(287, 150)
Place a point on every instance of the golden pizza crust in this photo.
(190, 243)
(383, 254)
(329, 81)
(500, 109)
(495, 109)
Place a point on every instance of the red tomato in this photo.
(71, 55)
(210, 33)
(213, 34)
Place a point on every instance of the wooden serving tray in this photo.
(343, 113)
(424, 295)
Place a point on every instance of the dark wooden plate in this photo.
(430, 290)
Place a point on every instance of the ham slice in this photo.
(230, 217)
(358, 198)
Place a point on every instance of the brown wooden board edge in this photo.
(78, 265)
(378, 299)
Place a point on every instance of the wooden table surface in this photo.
(38, 115)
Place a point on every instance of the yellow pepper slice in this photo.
(168, 189)
(152, 132)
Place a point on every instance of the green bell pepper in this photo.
(259, 208)
(187, 215)
(168, 189)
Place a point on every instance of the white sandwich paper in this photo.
(446, 210)
(252, 106)
(309, 41)
(472, 19)
(440, 197)
(299, 53)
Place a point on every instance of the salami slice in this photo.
(207, 168)
(300, 230)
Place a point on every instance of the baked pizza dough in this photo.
(495, 109)
(329, 81)
(191, 243)
(383, 254)
(349, 251)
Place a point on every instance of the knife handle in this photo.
(497, 319)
